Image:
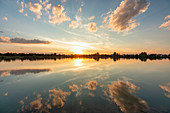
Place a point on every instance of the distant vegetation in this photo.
(143, 56)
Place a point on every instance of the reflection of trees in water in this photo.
(115, 56)
(121, 93)
(4, 73)
(166, 88)
(56, 99)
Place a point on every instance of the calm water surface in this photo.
(85, 85)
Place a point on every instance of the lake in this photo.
(85, 86)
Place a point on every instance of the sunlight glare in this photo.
(78, 62)
(77, 50)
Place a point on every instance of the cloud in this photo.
(26, 14)
(22, 4)
(92, 27)
(22, 40)
(167, 89)
(82, 4)
(43, 2)
(166, 25)
(47, 7)
(36, 8)
(4, 39)
(92, 18)
(74, 24)
(167, 17)
(121, 93)
(79, 10)
(21, 10)
(72, 33)
(58, 15)
(121, 19)
(102, 26)
(92, 85)
(5, 18)
(22, 7)
(63, 1)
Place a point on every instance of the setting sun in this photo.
(77, 50)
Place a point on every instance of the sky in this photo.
(85, 26)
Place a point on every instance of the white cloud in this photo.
(82, 4)
(166, 25)
(21, 10)
(22, 7)
(74, 24)
(167, 17)
(102, 26)
(36, 8)
(92, 27)
(121, 19)
(4, 39)
(5, 18)
(26, 14)
(92, 18)
(62, 1)
(58, 15)
(79, 10)
(44, 2)
(47, 7)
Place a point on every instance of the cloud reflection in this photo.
(74, 88)
(4, 73)
(121, 93)
(92, 85)
(36, 104)
(166, 88)
(56, 98)
(6, 94)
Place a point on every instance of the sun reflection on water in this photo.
(78, 62)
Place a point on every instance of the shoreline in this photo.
(115, 56)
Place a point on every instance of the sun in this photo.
(77, 50)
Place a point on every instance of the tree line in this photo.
(143, 56)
